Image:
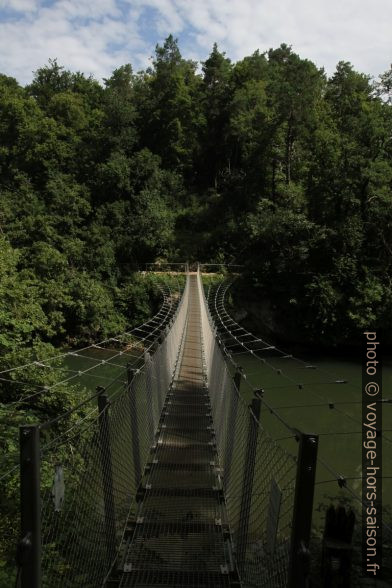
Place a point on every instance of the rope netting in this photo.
(258, 478)
(91, 470)
(302, 392)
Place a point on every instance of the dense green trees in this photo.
(265, 161)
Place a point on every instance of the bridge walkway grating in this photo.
(180, 535)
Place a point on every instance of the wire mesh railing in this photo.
(261, 481)
(49, 384)
(79, 483)
(304, 391)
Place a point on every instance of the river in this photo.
(310, 400)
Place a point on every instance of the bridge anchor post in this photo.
(299, 566)
(149, 366)
(131, 373)
(232, 419)
(247, 486)
(107, 473)
(29, 547)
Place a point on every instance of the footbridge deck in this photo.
(180, 535)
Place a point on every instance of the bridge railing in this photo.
(79, 483)
(268, 491)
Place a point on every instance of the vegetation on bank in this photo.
(266, 162)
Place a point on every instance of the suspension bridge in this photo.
(166, 477)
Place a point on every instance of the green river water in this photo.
(332, 410)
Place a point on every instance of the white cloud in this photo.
(19, 5)
(325, 32)
(95, 36)
(81, 34)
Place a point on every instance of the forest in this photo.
(267, 162)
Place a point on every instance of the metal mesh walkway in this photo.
(180, 536)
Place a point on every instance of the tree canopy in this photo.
(266, 162)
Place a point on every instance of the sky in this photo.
(97, 36)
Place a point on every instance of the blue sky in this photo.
(96, 36)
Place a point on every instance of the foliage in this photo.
(265, 162)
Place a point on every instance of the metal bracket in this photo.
(224, 570)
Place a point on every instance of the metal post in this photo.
(159, 364)
(149, 391)
(134, 425)
(165, 368)
(302, 513)
(247, 485)
(232, 420)
(237, 377)
(29, 549)
(161, 336)
(155, 344)
(337, 547)
(107, 473)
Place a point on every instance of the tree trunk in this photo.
(289, 148)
